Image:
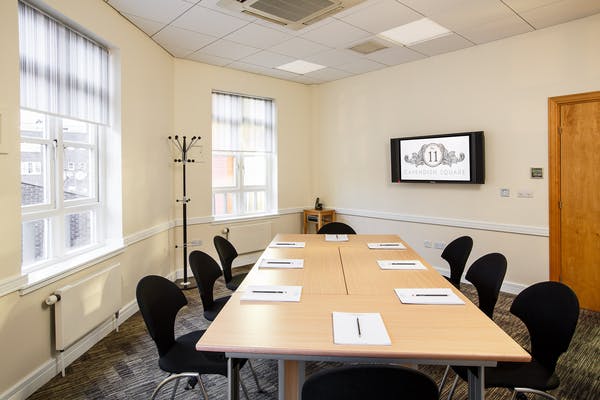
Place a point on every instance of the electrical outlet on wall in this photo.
(427, 244)
(439, 245)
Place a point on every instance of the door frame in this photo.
(554, 132)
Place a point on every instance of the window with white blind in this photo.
(244, 172)
(64, 115)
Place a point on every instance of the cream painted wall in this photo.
(501, 88)
(194, 83)
(145, 118)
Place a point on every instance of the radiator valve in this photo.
(52, 299)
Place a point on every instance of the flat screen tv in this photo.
(447, 158)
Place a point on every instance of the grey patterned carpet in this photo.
(124, 364)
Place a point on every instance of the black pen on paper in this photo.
(268, 291)
(358, 326)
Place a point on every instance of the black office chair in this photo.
(486, 274)
(369, 382)
(550, 311)
(227, 253)
(336, 228)
(206, 271)
(159, 301)
(456, 254)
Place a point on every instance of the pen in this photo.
(278, 262)
(268, 291)
(358, 326)
(403, 263)
(432, 294)
(284, 244)
(390, 244)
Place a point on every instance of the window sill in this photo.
(52, 273)
(243, 218)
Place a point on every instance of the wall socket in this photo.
(439, 245)
(504, 192)
(427, 244)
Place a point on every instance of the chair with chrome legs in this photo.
(159, 301)
(486, 274)
(550, 311)
(227, 253)
(206, 271)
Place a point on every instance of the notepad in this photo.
(336, 238)
(272, 293)
(428, 296)
(281, 263)
(287, 244)
(391, 246)
(400, 264)
(359, 328)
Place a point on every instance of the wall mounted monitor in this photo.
(445, 158)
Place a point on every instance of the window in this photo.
(64, 114)
(244, 171)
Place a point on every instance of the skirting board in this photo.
(38, 378)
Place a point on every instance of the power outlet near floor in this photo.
(439, 245)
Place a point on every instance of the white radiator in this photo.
(84, 305)
(250, 238)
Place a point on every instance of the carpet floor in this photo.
(124, 364)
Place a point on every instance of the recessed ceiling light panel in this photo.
(300, 67)
(415, 32)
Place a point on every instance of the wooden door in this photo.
(575, 195)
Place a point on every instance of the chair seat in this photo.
(510, 375)
(183, 357)
(235, 281)
(211, 314)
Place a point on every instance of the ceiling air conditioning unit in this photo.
(294, 14)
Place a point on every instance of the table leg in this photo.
(291, 379)
(233, 373)
(476, 377)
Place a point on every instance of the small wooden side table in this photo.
(322, 217)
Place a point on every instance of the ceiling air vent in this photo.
(368, 47)
(294, 14)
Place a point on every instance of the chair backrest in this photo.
(456, 254)
(487, 274)
(550, 311)
(160, 300)
(337, 228)
(370, 382)
(206, 271)
(227, 253)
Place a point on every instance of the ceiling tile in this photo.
(155, 10)
(395, 55)
(494, 30)
(203, 20)
(298, 48)
(468, 13)
(258, 36)
(148, 26)
(331, 58)
(524, 5)
(442, 45)
(335, 34)
(212, 4)
(382, 16)
(356, 8)
(228, 49)
(328, 74)
(429, 7)
(208, 59)
(560, 12)
(361, 66)
(267, 59)
(172, 37)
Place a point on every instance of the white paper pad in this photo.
(391, 246)
(281, 263)
(272, 293)
(287, 244)
(428, 296)
(336, 238)
(372, 329)
(400, 264)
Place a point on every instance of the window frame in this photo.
(240, 189)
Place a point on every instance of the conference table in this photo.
(344, 276)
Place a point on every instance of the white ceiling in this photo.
(200, 30)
